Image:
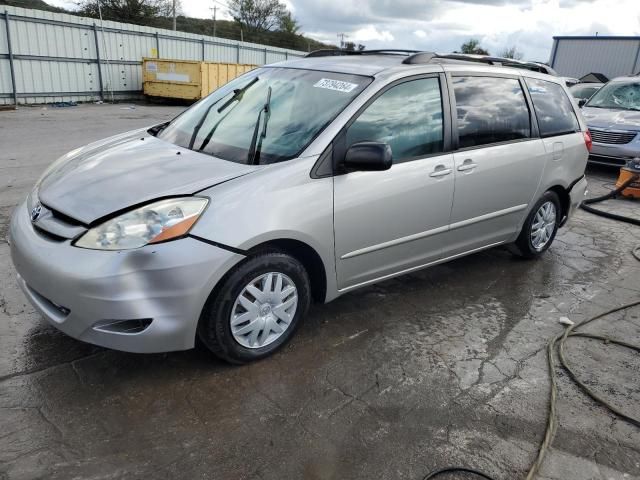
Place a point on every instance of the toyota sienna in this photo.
(296, 182)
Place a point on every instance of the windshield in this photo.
(276, 111)
(617, 95)
(583, 92)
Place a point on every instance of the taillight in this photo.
(587, 140)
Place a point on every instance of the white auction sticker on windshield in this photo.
(337, 85)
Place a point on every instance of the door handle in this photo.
(467, 165)
(440, 171)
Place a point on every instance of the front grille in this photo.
(48, 235)
(56, 226)
(611, 137)
(64, 218)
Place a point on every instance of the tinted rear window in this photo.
(553, 108)
(490, 110)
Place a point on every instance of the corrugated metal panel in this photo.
(51, 40)
(35, 76)
(67, 44)
(180, 49)
(5, 79)
(273, 57)
(3, 34)
(612, 57)
(221, 53)
(122, 77)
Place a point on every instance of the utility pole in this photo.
(106, 50)
(174, 15)
(215, 9)
(342, 36)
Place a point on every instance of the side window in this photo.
(553, 108)
(490, 110)
(408, 117)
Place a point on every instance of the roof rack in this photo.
(427, 57)
(416, 57)
(338, 53)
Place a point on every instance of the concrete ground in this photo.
(445, 366)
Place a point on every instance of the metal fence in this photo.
(54, 57)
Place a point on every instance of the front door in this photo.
(392, 221)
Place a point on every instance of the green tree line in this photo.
(267, 22)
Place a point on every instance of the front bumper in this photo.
(78, 290)
(613, 155)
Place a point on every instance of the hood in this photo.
(127, 170)
(610, 118)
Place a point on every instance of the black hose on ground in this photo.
(457, 470)
(586, 205)
(559, 340)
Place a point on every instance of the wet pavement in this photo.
(444, 366)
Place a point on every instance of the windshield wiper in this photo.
(156, 129)
(237, 95)
(207, 139)
(606, 107)
(253, 156)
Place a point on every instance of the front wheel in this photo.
(540, 227)
(257, 308)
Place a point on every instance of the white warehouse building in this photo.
(612, 56)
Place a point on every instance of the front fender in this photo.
(281, 201)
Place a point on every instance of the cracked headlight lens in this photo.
(153, 223)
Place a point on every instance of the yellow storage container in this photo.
(186, 79)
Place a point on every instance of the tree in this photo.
(351, 46)
(130, 11)
(473, 46)
(288, 24)
(511, 52)
(257, 14)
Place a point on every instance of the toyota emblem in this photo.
(35, 213)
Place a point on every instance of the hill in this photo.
(202, 26)
(37, 4)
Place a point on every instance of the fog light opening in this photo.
(129, 327)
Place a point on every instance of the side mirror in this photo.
(581, 102)
(368, 157)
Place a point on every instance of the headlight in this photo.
(153, 223)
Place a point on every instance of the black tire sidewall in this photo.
(214, 327)
(524, 240)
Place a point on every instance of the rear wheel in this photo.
(540, 227)
(257, 308)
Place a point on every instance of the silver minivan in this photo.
(613, 117)
(296, 182)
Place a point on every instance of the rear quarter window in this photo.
(553, 108)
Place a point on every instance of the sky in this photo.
(443, 25)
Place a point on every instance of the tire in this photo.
(528, 245)
(236, 344)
